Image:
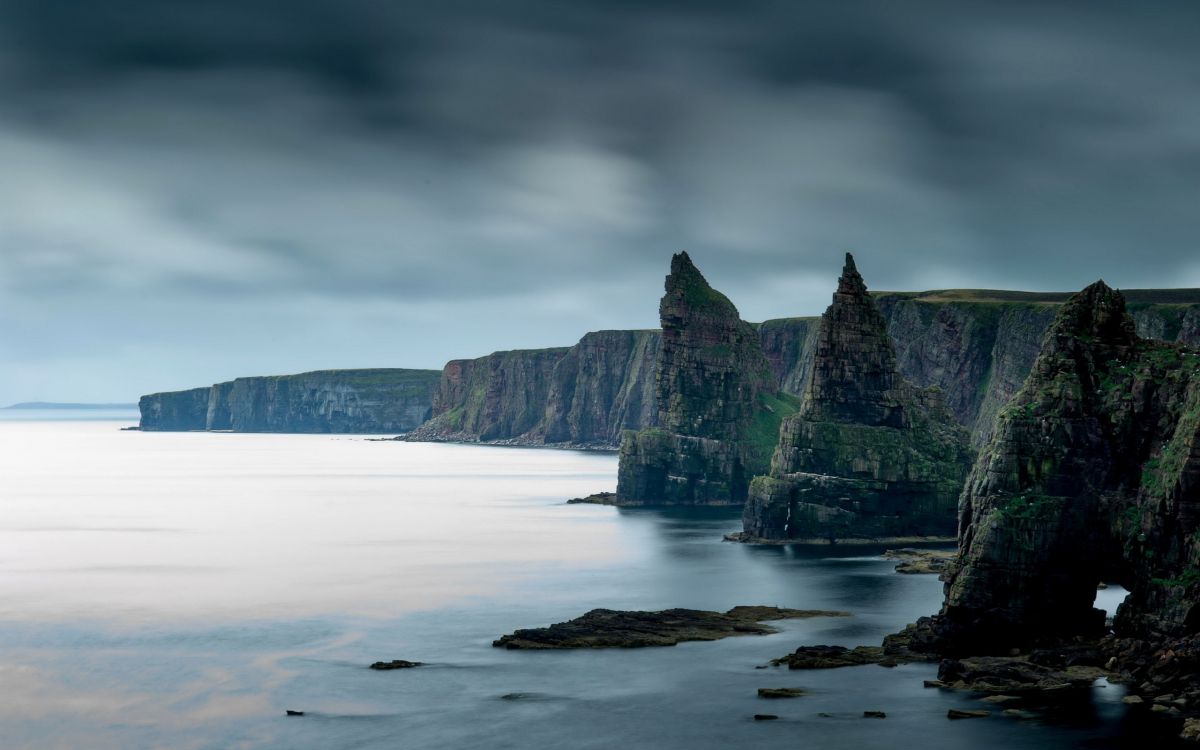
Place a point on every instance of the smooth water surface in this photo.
(182, 590)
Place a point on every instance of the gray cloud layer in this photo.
(192, 191)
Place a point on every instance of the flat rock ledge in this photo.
(608, 628)
(599, 498)
(833, 657)
(921, 561)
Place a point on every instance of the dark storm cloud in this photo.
(398, 183)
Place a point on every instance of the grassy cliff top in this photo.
(1133, 296)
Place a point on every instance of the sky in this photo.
(194, 191)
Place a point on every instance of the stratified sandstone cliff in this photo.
(602, 386)
(174, 411)
(1093, 473)
(868, 454)
(496, 397)
(719, 407)
(978, 345)
(342, 401)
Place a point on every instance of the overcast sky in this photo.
(192, 191)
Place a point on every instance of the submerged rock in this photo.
(957, 713)
(607, 628)
(867, 455)
(793, 692)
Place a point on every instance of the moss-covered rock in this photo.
(1093, 474)
(867, 454)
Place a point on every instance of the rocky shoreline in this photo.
(742, 537)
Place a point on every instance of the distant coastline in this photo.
(52, 405)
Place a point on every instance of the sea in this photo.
(186, 590)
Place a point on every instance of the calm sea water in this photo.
(184, 590)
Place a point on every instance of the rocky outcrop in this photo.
(719, 407)
(324, 401)
(174, 411)
(607, 628)
(868, 454)
(1093, 473)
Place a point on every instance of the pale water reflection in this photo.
(183, 590)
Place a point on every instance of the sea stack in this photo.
(719, 407)
(1093, 474)
(868, 455)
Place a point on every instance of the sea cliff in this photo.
(324, 401)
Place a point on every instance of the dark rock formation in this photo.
(174, 411)
(785, 692)
(386, 666)
(719, 408)
(325, 401)
(867, 455)
(1093, 473)
(833, 657)
(607, 628)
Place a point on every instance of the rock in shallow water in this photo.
(396, 664)
(793, 692)
(832, 657)
(607, 628)
(955, 713)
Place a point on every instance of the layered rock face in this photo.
(719, 407)
(1093, 473)
(976, 345)
(495, 397)
(868, 454)
(341, 401)
(174, 411)
(603, 386)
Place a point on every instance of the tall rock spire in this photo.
(854, 374)
(719, 406)
(711, 370)
(867, 455)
